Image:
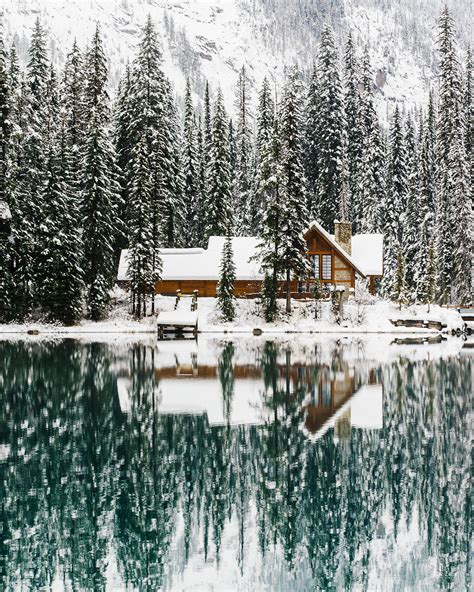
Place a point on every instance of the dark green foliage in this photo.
(219, 213)
(225, 287)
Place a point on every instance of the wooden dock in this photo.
(177, 322)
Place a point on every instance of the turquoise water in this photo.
(235, 465)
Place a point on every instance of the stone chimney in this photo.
(343, 235)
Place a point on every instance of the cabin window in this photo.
(321, 267)
(326, 267)
(314, 261)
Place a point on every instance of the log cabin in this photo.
(335, 260)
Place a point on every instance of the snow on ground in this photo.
(373, 316)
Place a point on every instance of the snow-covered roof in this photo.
(367, 250)
(5, 213)
(204, 264)
(337, 247)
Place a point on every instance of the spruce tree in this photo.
(368, 189)
(330, 140)
(399, 292)
(460, 191)
(412, 226)
(168, 157)
(264, 120)
(296, 218)
(352, 100)
(271, 193)
(450, 121)
(227, 277)
(200, 219)
(243, 202)
(60, 274)
(6, 260)
(144, 264)
(311, 144)
(219, 215)
(426, 271)
(190, 162)
(101, 191)
(396, 200)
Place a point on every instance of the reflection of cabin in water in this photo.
(324, 393)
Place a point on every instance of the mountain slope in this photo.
(213, 38)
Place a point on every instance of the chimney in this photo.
(343, 235)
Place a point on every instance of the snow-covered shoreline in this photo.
(373, 317)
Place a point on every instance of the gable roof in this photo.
(340, 251)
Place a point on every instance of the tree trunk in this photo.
(288, 291)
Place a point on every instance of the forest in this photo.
(85, 174)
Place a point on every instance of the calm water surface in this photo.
(245, 465)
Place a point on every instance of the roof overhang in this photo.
(340, 251)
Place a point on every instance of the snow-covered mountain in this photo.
(213, 38)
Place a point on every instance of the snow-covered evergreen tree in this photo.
(144, 264)
(330, 130)
(219, 214)
(227, 277)
(399, 292)
(271, 193)
(311, 144)
(59, 263)
(450, 121)
(352, 100)
(396, 200)
(413, 220)
(101, 190)
(190, 162)
(296, 217)
(243, 202)
(460, 190)
(6, 247)
(368, 190)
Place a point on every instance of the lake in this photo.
(235, 465)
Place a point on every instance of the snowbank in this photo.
(371, 317)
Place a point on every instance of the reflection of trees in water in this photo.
(81, 478)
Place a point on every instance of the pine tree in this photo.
(271, 193)
(460, 191)
(311, 139)
(101, 191)
(330, 130)
(368, 190)
(426, 274)
(227, 277)
(352, 100)
(60, 274)
(124, 145)
(427, 170)
(295, 221)
(219, 212)
(200, 220)
(399, 292)
(265, 117)
(243, 202)
(412, 226)
(450, 121)
(172, 203)
(190, 162)
(396, 200)
(6, 260)
(144, 261)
